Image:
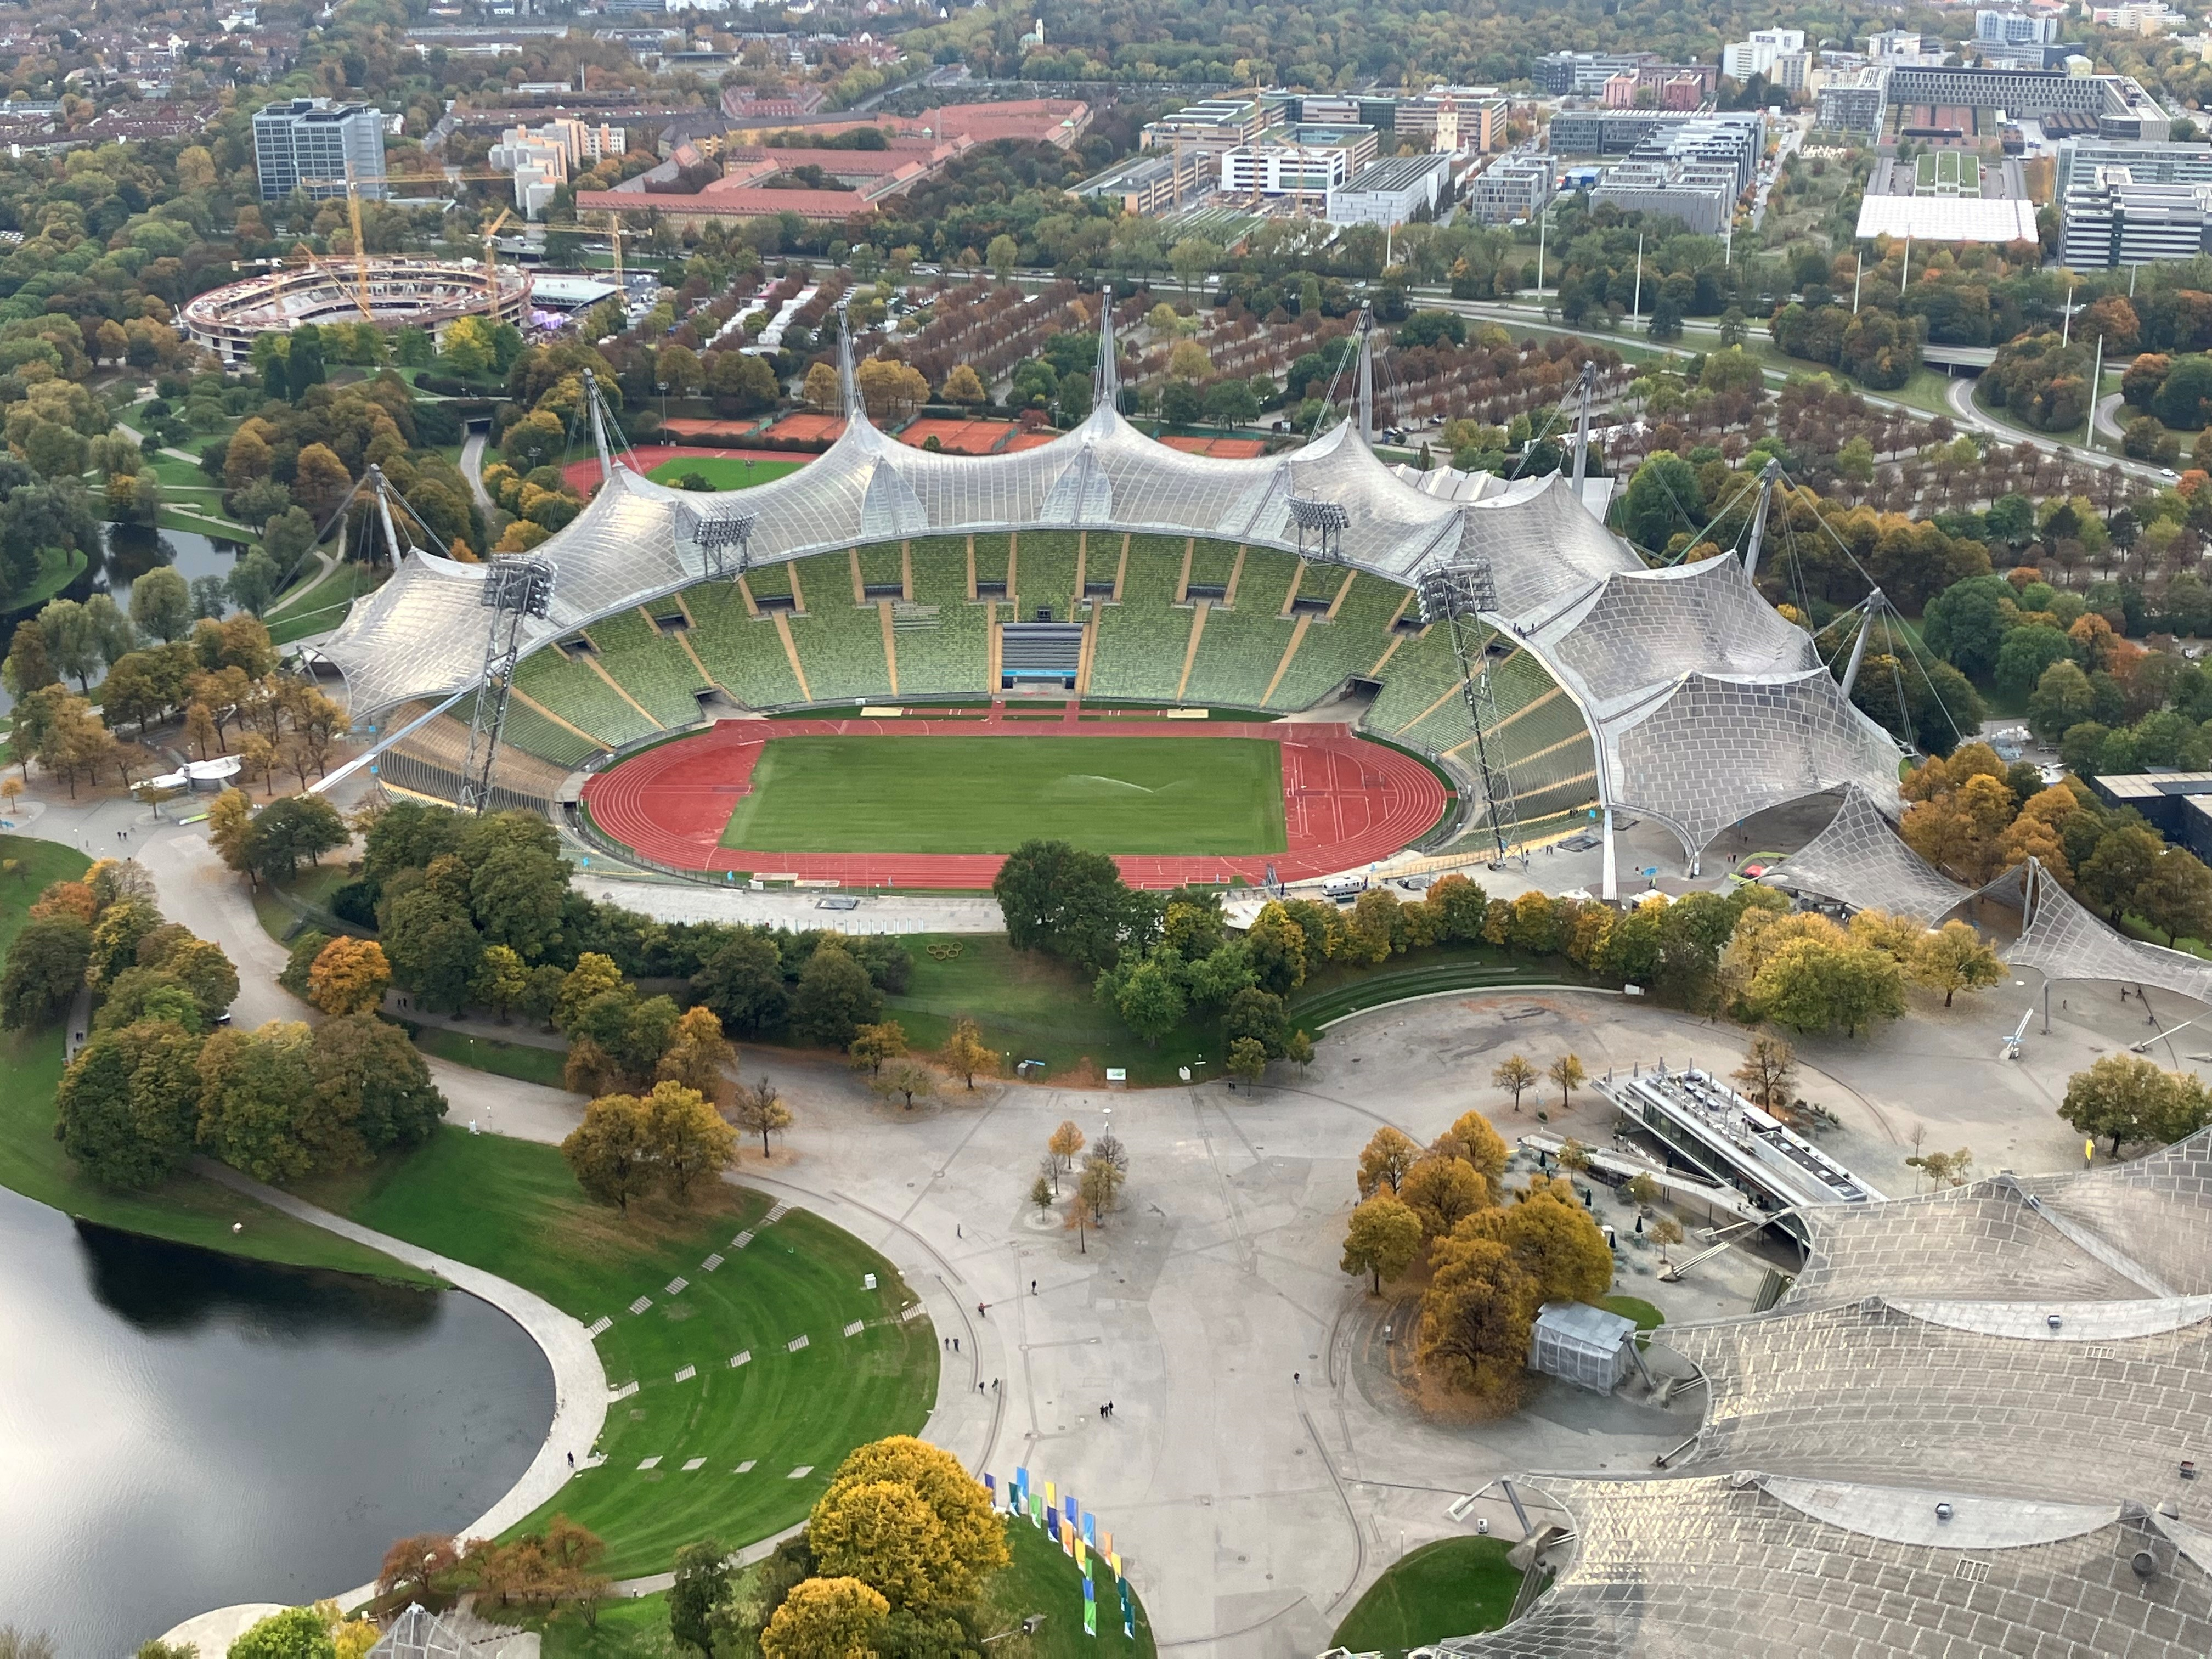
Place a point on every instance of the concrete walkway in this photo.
(579, 1382)
(876, 913)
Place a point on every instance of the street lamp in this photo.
(663, 384)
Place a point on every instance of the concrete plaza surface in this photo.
(1263, 1462)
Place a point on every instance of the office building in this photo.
(1211, 125)
(1743, 59)
(1692, 171)
(1299, 161)
(544, 158)
(1155, 182)
(2113, 221)
(1606, 133)
(1514, 187)
(2147, 164)
(1582, 74)
(314, 145)
(1391, 192)
(2014, 28)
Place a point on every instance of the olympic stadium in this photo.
(880, 584)
(389, 293)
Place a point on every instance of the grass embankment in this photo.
(1169, 796)
(58, 568)
(512, 1208)
(1039, 1579)
(1454, 1587)
(488, 1054)
(721, 472)
(1647, 1317)
(187, 1208)
(313, 886)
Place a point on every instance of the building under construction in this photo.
(389, 293)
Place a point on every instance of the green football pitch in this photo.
(957, 794)
(722, 471)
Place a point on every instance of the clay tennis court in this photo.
(1346, 802)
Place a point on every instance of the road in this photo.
(473, 452)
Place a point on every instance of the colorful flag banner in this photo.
(1089, 1528)
(1069, 1506)
(1022, 1480)
(1037, 1510)
(1106, 1547)
(1116, 1559)
(1090, 1609)
(1081, 1560)
(991, 1486)
(1051, 1496)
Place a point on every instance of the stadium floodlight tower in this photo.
(1456, 593)
(514, 586)
(1320, 527)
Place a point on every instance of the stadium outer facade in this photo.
(1703, 703)
(429, 293)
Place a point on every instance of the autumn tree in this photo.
(760, 1109)
(349, 976)
(611, 1152)
(871, 1045)
(966, 1054)
(908, 1520)
(1567, 1072)
(1954, 958)
(1442, 1192)
(1061, 1145)
(1385, 1159)
(503, 981)
(1382, 1239)
(825, 1618)
(1515, 1076)
(905, 1080)
(699, 1056)
(414, 1563)
(685, 1137)
(1471, 1139)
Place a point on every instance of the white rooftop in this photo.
(1946, 219)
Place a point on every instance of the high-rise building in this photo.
(2112, 221)
(314, 145)
(1743, 59)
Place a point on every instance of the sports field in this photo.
(723, 471)
(977, 795)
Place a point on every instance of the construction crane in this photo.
(491, 263)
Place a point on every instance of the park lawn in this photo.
(722, 471)
(58, 568)
(1337, 990)
(186, 1209)
(490, 1054)
(1454, 1587)
(1188, 796)
(512, 1208)
(1043, 1578)
(1647, 1317)
(1030, 1007)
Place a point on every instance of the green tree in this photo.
(1662, 498)
(1064, 902)
(433, 948)
(1382, 1239)
(294, 1634)
(161, 604)
(255, 1098)
(703, 1575)
(129, 1103)
(2131, 1100)
(372, 1084)
(1956, 958)
(743, 983)
(503, 981)
(834, 999)
(1149, 997)
(45, 970)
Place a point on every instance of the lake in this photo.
(181, 1431)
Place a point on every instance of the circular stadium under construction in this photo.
(1496, 635)
(387, 293)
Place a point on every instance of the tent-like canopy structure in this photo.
(2061, 940)
(1860, 860)
(1706, 705)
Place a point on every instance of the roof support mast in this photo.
(1364, 398)
(1106, 383)
(513, 588)
(849, 378)
(1582, 428)
(598, 427)
(1767, 477)
(1873, 605)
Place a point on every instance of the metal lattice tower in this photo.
(1363, 394)
(1106, 380)
(1456, 595)
(514, 586)
(724, 543)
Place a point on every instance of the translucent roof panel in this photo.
(1859, 860)
(1723, 747)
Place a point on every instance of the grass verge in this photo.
(766, 1433)
(1647, 1317)
(1454, 1587)
(721, 472)
(186, 1208)
(488, 1054)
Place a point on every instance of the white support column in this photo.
(1611, 891)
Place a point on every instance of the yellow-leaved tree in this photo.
(349, 976)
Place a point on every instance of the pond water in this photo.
(128, 552)
(181, 1429)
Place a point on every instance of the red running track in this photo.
(1346, 802)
